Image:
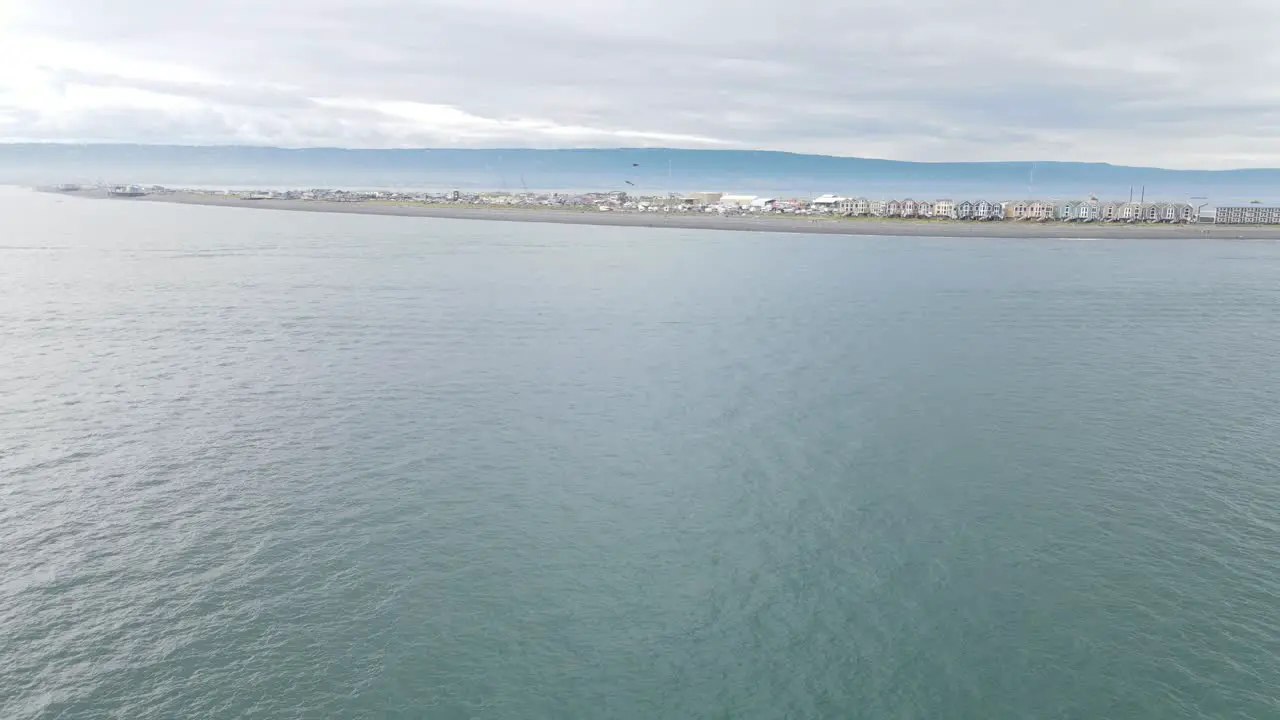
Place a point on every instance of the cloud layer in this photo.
(1144, 83)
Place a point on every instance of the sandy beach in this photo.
(769, 223)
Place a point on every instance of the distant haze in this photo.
(637, 170)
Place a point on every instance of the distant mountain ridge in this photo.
(668, 169)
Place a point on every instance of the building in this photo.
(909, 208)
(703, 198)
(855, 206)
(924, 209)
(1251, 214)
(736, 201)
(1088, 211)
(965, 210)
(1041, 210)
(987, 210)
(892, 208)
(944, 209)
(826, 202)
(1178, 212)
(1151, 212)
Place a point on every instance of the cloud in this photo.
(1144, 82)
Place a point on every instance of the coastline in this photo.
(692, 221)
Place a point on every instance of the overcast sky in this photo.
(1170, 82)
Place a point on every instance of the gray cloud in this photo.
(1145, 83)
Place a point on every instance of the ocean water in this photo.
(260, 464)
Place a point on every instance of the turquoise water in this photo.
(258, 464)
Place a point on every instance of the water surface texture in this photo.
(282, 465)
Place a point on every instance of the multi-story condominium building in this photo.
(879, 208)
(855, 206)
(944, 209)
(1250, 214)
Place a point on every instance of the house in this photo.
(1178, 212)
(909, 208)
(1087, 211)
(1042, 210)
(1016, 209)
(1110, 211)
(964, 210)
(1069, 211)
(879, 208)
(1130, 211)
(986, 210)
(893, 208)
(944, 209)
(924, 209)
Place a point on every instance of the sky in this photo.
(1171, 83)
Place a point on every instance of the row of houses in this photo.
(964, 210)
(1091, 210)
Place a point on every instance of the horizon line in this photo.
(304, 148)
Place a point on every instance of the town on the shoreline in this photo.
(1090, 210)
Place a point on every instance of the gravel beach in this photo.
(786, 224)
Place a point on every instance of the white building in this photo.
(944, 209)
(1251, 214)
(827, 202)
(855, 206)
(737, 201)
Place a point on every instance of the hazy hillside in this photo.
(641, 169)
